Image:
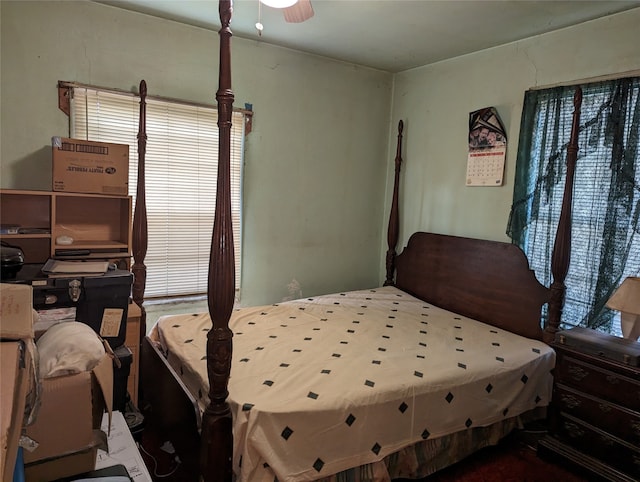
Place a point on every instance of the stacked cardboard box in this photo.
(18, 387)
(62, 435)
(67, 428)
(90, 166)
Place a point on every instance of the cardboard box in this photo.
(90, 167)
(18, 379)
(61, 467)
(67, 429)
(16, 311)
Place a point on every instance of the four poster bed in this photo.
(448, 356)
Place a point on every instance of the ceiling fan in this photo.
(295, 11)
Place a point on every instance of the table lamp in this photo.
(626, 300)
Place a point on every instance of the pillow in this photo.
(68, 347)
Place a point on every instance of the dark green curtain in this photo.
(605, 244)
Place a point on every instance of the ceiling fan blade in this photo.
(298, 12)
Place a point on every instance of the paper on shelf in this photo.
(56, 266)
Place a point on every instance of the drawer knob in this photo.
(573, 430)
(577, 373)
(604, 408)
(606, 441)
(613, 380)
(570, 401)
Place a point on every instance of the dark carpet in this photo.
(513, 459)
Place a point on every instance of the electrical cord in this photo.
(155, 464)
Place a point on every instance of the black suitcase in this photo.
(101, 301)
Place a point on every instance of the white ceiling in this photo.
(389, 35)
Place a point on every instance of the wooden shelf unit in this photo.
(96, 222)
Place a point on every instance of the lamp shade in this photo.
(627, 297)
(626, 300)
(279, 3)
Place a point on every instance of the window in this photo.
(180, 172)
(605, 244)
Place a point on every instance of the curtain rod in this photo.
(68, 84)
(589, 80)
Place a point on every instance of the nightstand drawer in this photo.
(613, 419)
(597, 381)
(597, 443)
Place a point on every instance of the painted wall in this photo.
(316, 160)
(435, 102)
(314, 207)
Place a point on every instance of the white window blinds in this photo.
(181, 166)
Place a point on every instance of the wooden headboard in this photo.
(488, 281)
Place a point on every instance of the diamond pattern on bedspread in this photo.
(327, 383)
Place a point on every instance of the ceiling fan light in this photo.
(279, 3)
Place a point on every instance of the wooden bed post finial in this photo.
(562, 245)
(394, 222)
(216, 435)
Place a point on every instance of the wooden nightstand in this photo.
(132, 342)
(595, 411)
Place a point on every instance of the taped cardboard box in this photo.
(90, 167)
(67, 429)
(18, 382)
(16, 311)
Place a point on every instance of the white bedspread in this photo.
(323, 384)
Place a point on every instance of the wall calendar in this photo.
(487, 148)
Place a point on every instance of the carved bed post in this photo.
(562, 246)
(139, 236)
(394, 223)
(216, 434)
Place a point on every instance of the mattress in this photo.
(324, 384)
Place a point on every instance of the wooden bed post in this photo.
(562, 245)
(139, 236)
(216, 433)
(394, 223)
